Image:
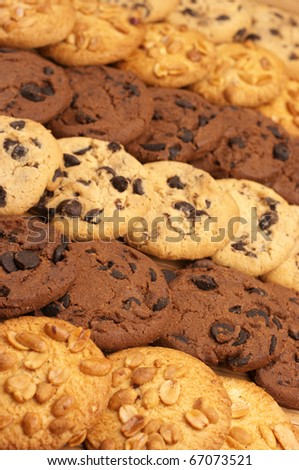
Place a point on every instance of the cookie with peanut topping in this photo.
(162, 399)
(35, 23)
(258, 422)
(171, 56)
(102, 34)
(54, 384)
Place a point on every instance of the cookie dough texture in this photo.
(31, 24)
(29, 155)
(150, 10)
(54, 384)
(162, 399)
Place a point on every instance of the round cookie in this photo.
(54, 384)
(101, 191)
(119, 293)
(36, 266)
(218, 21)
(244, 75)
(32, 87)
(267, 229)
(287, 273)
(171, 56)
(29, 155)
(162, 399)
(287, 182)
(225, 317)
(30, 24)
(177, 116)
(258, 422)
(108, 104)
(189, 213)
(102, 34)
(150, 10)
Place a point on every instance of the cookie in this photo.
(54, 384)
(280, 376)
(29, 155)
(171, 56)
(150, 10)
(177, 116)
(258, 422)
(162, 399)
(36, 266)
(30, 24)
(101, 190)
(33, 88)
(218, 21)
(108, 104)
(225, 317)
(287, 182)
(244, 75)
(287, 273)
(189, 214)
(119, 293)
(102, 34)
(285, 108)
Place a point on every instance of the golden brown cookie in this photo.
(258, 422)
(35, 23)
(244, 75)
(54, 383)
(162, 399)
(150, 10)
(171, 56)
(102, 34)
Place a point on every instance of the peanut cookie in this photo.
(29, 155)
(178, 114)
(244, 75)
(54, 384)
(267, 229)
(189, 215)
(100, 191)
(171, 56)
(119, 293)
(36, 266)
(258, 422)
(150, 10)
(285, 108)
(162, 399)
(225, 317)
(102, 34)
(107, 104)
(220, 21)
(32, 87)
(35, 23)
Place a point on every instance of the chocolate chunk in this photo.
(253, 37)
(37, 143)
(118, 274)
(26, 259)
(281, 152)
(181, 338)
(160, 304)
(273, 344)
(108, 169)
(222, 332)
(51, 310)
(268, 219)
(275, 131)
(271, 203)
(238, 141)
(18, 152)
(65, 300)
(185, 104)
(175, 182)
(256, 290)
(169, 275)
(92, 216)
(7, 262)
(174, 151)
(154, 147)
(132, 89)
(294, 332)
(70, 160)
(4, 291)
(239, 35)
(18, 125)
(239, 361)
(120, 183)
(242, 338)
(128, 302)
(32, 92)
(83, 151)
(114, 146)
(274, 32)
(203, 121)
(133, 267)
(69, 207)
(277, 323)
(84, 182)
(223, 18)
(2, 197)
(185, 135)
(255, 312)
(204, 282)
(236, 309)
(58, 174)
(58, 253)
(9, 143)
(293, 56)
(239, 246)
(153, 275)
(186, 207)
(83, 118)
(138, 186)
(189, 12)
(48, 71)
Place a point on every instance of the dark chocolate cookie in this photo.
(107, 104)
(119, 293)
(225, 317)
(32, 87)
(178, 114)
(35, 265)
(280, 377)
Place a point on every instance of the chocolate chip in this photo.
(185, 104)
(238, 141)
(185, 135)
(58, 253)
(181, 338)
(174, 151)
(133, 267)
(268, 219)
(154, 147)
(26, 259)
(186, 207)
(239, 361)
(256, 290)
(4, 291)
(128, 302)
(107, 169)
(83, 151)
(223, 18)
(118, 274)
(255, 312)
(239, 35)
(294, 333)
(120, 183)
(48, 71)
(275, 131)
(84, 182)
(239, 246)
(132, 89)
(236, 309)
(253, 37)
(203, 121)
(160, 304)
(18, 152)
(70, 160)
(37, 143)
(274, 32)
(18, 125)
(293, 56)
(9, 143)
(175, 182)
(222, 332)
(58, 174)
(208, 203)
(7, 262)
(32, 92)
(51, 310)
(169, 275)
(114, 146)
(92, 216)
(83, 118)
(204, 282)
(138, 187)
(281, 152)
(153, 275)
(2, 197)
(273, 344)
(242, 338)
(65, 300)
(189, 12)
(277, 323)
(69, 207)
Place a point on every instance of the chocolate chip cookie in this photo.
(119, 293)
(225, 317)
(35, 265)
(32, 87)
(107, 104)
